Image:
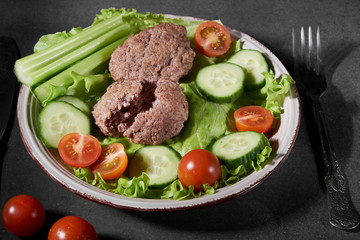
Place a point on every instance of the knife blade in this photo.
(9, 53)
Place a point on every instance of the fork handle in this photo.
(341, 209)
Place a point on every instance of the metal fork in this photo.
(311, 83)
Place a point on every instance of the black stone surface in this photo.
(291, 203)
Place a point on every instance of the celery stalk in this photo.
(37, 62)
(58, 85)
(78, 54)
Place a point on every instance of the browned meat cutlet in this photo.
(146, 103)
(160, 52)
(116, 110)
(164, 119)
(145, 112)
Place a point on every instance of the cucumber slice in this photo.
(239, 148)
(159, 162)
(221, 83)
(59, 118)
(255, 64)
(77, 102)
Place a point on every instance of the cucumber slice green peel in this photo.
(59, 118)
(159, 162)
(221, 83)
(77, 102)
(255, 65)
(240, 148)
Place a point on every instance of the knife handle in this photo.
(342, 212)
(9, 53)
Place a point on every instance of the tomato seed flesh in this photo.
(214, 37)
(110, 164)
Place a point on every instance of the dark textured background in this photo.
(291, 204)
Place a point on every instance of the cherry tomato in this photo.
(71, 228)
(23, 215)
(79, 150)
(199, 167)
(212, 39)
(253, 118)
(112, 162)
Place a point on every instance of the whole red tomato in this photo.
(23, 215)
(199, 167)
(72, 228)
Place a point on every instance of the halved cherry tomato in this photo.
(112, 163)
(212, 39)
(253, 118)
(199, 167)
(23, 215)
(72, 228)
(79, 150)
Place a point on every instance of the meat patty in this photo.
(164, 119)
(146, 103)
(145, 112)
(160, 52)
(118, 107)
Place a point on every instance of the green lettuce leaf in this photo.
(89, 88)
(273, 94)
(176, 191)
(96, 180)
(52, 39)
(84, 174)
(206, 122)
(136, 187)
(142, 21)
(276, 90)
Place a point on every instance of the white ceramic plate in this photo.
(28, 110)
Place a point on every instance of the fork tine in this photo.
(302, 44)
(294, 53)
(318, 51)
(307, 56)
(293, 42)
(310, 50)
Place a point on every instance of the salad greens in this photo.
(60, 83)
(49, 40)
(85, 75)
(34, 69)
(207, 121)
(48, 72)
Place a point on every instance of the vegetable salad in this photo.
(80, 70)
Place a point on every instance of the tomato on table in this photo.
(71, 228)
(23, 215)
(212, 39)
(253, 118)
(112, 163)
(199, 167)
(79, 150)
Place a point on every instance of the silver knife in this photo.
(9, 53)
